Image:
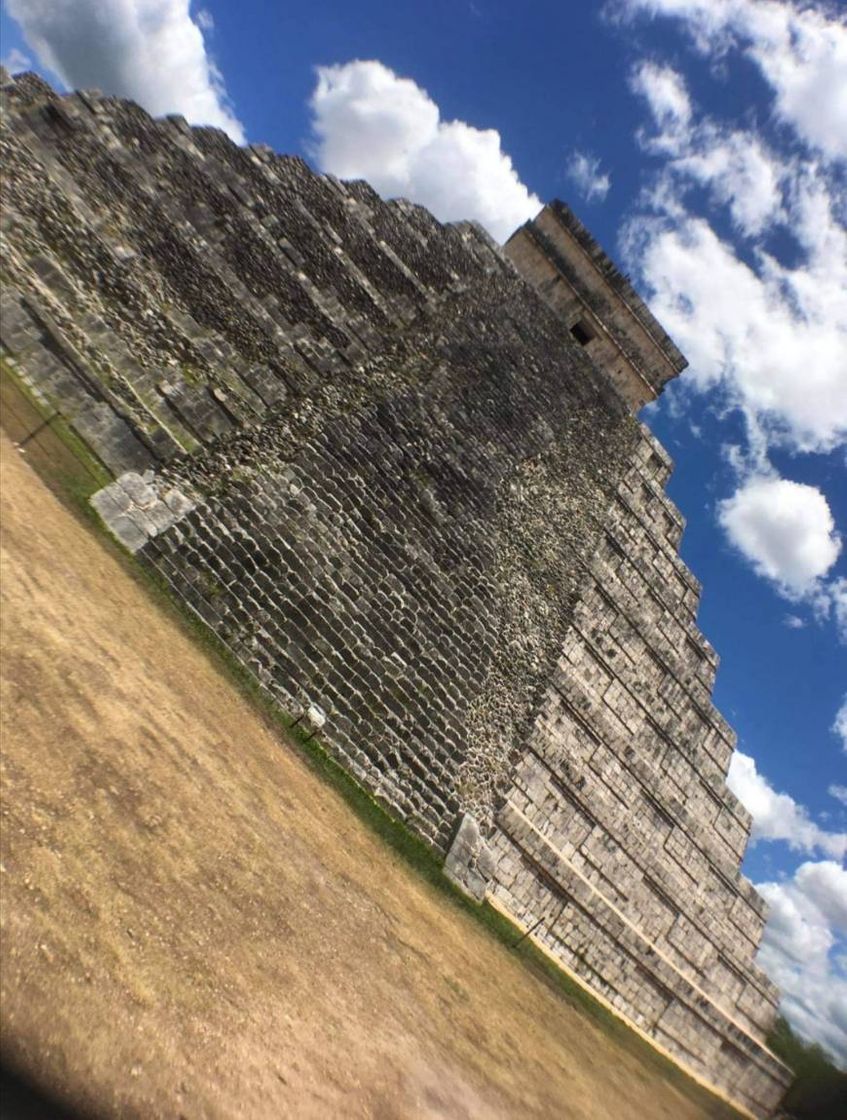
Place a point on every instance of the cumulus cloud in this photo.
(670, 106)
(584, 172)
(735, 165)
(800, 51)
(803, 950)
(777, 816)
(784, 529)
(369, 123)
(839, 726)
(839, 793)
(834, 605)
(16, 62)
(741, 173)
(152, 51)
(765, 334)
(771, 338)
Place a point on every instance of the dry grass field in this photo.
(195, 925)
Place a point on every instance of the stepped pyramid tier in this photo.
(396, 469)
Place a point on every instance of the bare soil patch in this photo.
(193, 925)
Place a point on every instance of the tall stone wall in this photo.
(399, 569)
(393, 502)
(382, 468)
(619, 839)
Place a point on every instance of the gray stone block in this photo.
(128, 532)
(470, 862)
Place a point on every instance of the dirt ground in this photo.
(193, 925)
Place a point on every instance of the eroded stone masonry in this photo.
(397, 470)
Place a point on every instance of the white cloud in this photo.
(149, 50)
(369, 123)
(741, 174)
(834, 604)
(801, 52)
(777, 816)
(670, 106)
(584, 172)
(839, 792)
(784, 529)
(839, 727)
(16, 62)
(803, 951)
(769, 337)
(772, 338)
(794, 622)
(735, 165)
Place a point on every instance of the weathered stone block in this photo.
(470, 863)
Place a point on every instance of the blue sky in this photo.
(704, 142)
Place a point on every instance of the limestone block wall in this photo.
(398, 457)
(412, 567)
(167, 287)
(618, 834)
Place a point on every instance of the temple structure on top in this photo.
(397, 470)
(604, 313)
